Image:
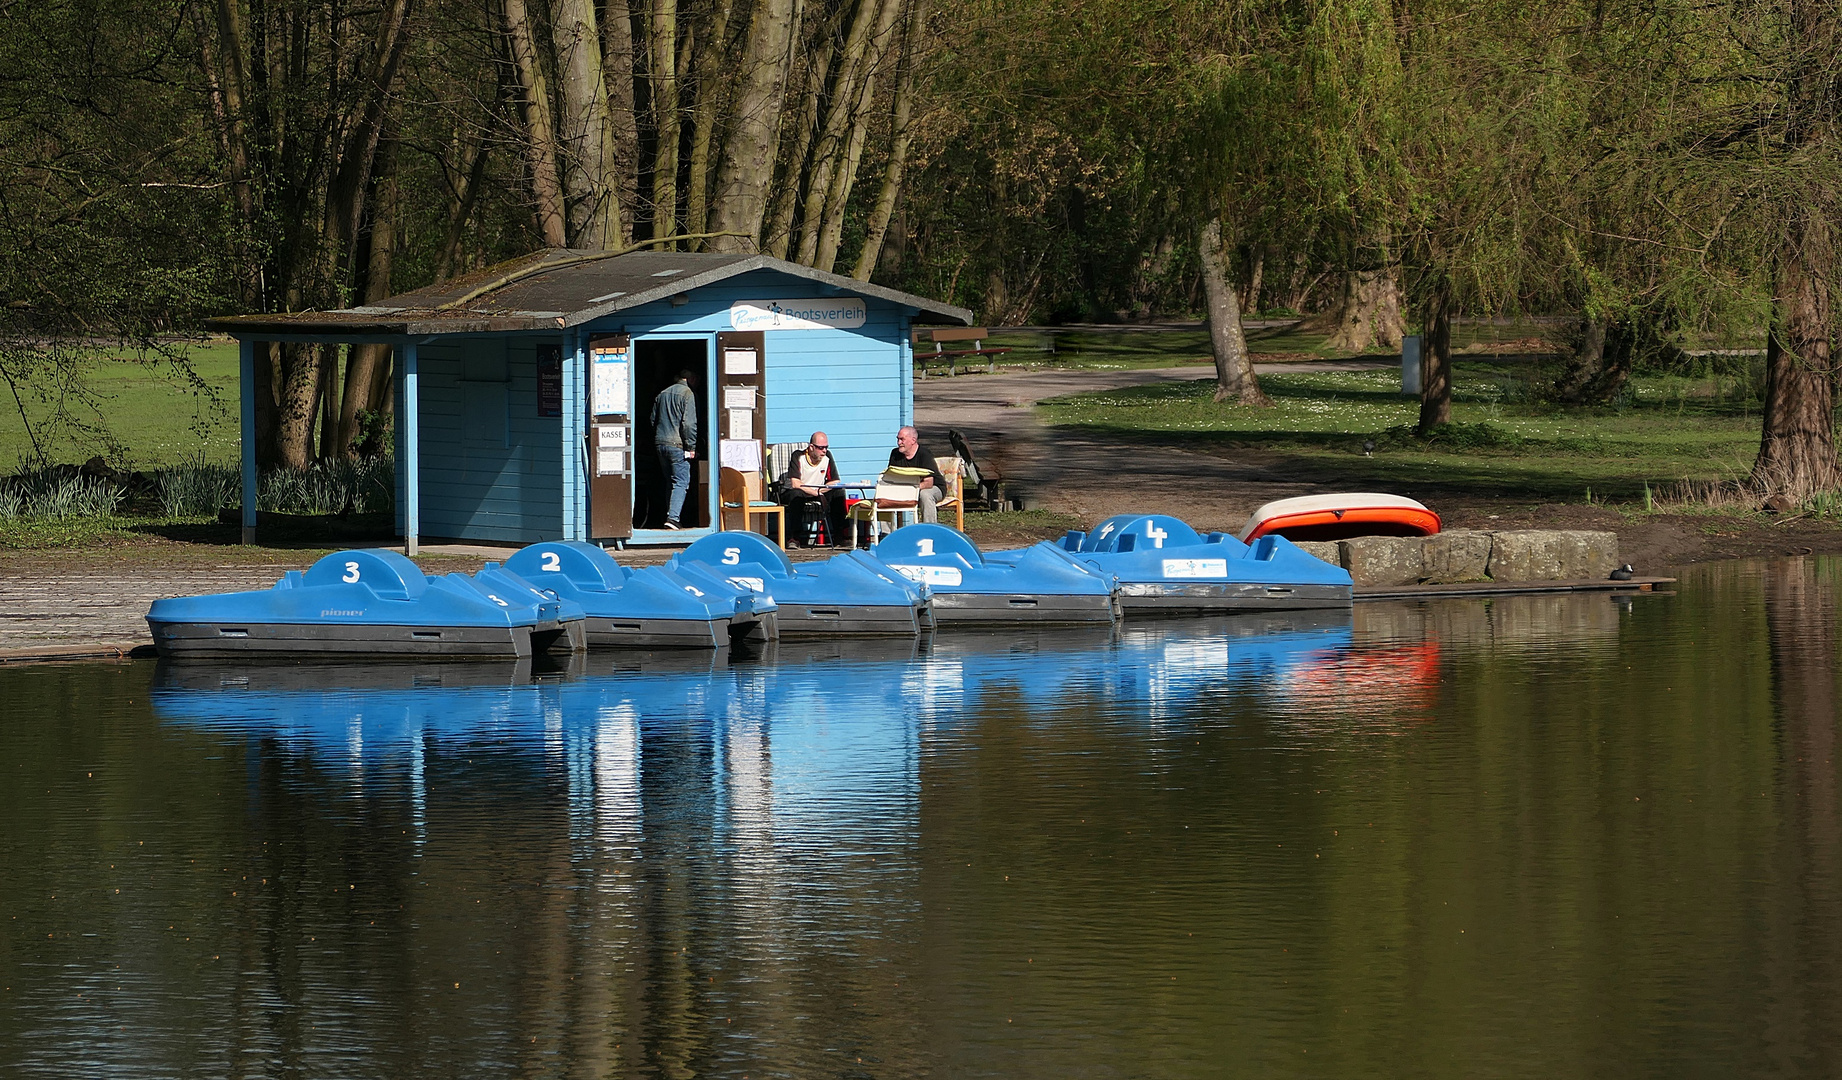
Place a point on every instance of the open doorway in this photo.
(656, 365)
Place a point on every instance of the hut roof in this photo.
(556, 288)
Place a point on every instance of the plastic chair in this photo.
(739, 497)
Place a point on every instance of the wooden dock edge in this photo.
(1507, 588)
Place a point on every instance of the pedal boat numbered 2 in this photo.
(1041, 584)
(649, 607)
(1164, 566)
(839, 596)
(373, 604)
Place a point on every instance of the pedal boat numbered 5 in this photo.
(373, 604)
(1037, 585)
(649, 607)
(839, 596)
(1164, 566)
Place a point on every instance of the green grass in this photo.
(155, 417)
(1501, 441)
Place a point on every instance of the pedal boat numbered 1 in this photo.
(1040, 584)
(649, 607)
(838, 596)
(1164, 566)
(372, 604)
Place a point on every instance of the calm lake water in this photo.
(1533, 836)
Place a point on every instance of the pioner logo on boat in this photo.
(843, 313)
(328, 612)
(1192, 568)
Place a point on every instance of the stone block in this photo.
(1460, 555)
(1383, 560)
(1323, 549)
(1552, 555)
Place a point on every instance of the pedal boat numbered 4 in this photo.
(1164, 566)
(839, 596)
(1040, 584)
(649, 607)
(373, 604)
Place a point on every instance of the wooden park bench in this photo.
(939, 334)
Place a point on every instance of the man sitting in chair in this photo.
(909, 455)
(811, 484)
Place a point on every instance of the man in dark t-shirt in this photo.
(909, 455)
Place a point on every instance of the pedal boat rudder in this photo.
(374, 604)
(1164, 566)
(838, 596)
(1041, 585)
(648, 607)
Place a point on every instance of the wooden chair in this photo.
(954, 470)
(742, 496)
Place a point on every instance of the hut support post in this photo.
(409, 450)
(246, 379)
(575, 435)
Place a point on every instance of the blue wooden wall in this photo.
(491, 467)
(855, 385)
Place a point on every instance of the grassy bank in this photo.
(1502, 441)
(157, 418)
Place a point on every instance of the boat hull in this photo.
(651, 633)
(854, 620)
(971, 609)
(1150, 598)
(294, 641)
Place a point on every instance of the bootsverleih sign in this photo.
(843, 313)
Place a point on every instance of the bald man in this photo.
(909, 455)
(810, 485)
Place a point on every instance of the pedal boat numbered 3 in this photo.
(373, 604)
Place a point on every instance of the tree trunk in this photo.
(900, 137)
(295, 411)
(328, 394)
(748, 153)
(663, 35)
(1250, 302)
(1234, 367)
(540, 132)
(831, 229)
(1366, 315)
(363, 361)
(1436, 362)
(460, 211)
(623, 121)
(777, 236)
(853, 64)
(1797, 447)
(590, 172)
(1584, 365)
(710, 63)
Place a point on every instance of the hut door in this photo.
(741, 416)
(610, 437)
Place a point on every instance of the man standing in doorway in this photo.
(909, 455)
(674, 434)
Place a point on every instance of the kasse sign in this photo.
(842, 313)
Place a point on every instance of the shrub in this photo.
(198, 490)
(362, 486)
(58, 493)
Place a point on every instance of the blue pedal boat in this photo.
(1163, 565)
(372, 604)
(839, 596)
(1040, 584)
(650, 607)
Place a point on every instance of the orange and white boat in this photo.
(1341, 516)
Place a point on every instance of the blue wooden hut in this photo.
(524, 391)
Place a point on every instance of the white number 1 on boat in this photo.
(926, 545)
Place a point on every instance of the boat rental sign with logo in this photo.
(843, 313)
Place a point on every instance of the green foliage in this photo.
(58, 494)
(363, 486)
(198, 489)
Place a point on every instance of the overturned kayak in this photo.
(650, 607)
(1040, 584)
(1341, 516)
(839, 596)
(1163, 565)
(373, 604)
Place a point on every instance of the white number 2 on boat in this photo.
(351, 573)
(552, 563)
